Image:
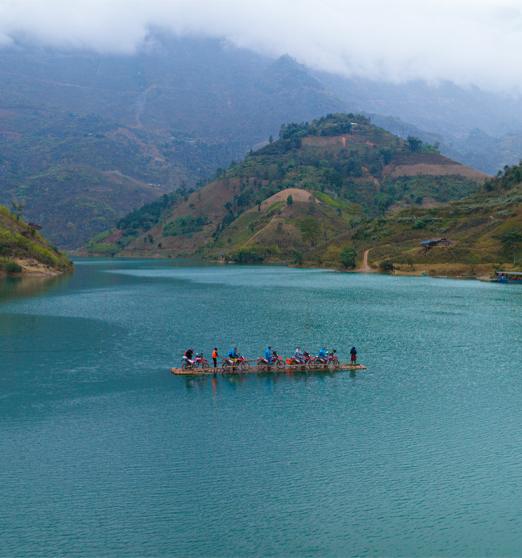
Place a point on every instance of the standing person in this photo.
(215, 356)
(353, 352)
(322, 353)
(268, 354)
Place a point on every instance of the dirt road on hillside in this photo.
(365, 268)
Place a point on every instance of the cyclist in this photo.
(268, 354)
(322, 353)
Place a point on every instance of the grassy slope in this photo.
(21, 244)
(333, 180)
(163, 117)
(474, 225)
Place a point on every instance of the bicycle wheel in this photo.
(261, 364)
(335, 361)
(245, 364)
(204, 364)
(279, 362)
(186, 366)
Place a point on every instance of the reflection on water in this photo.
(103, 452)
(22, 287)
(233, 381)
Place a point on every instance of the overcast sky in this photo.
(475, 42)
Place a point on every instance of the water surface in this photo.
(104, 453)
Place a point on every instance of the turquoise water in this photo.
(103, 452)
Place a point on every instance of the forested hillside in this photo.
(315, 182)
(85, 137)
(484, 232)
(23, 250)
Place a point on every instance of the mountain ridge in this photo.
(172, 114)
(341, 168)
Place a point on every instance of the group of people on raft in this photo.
(270, 355)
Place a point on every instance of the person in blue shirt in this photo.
(232, 354)
(322, 353)
(353, 352)
(268, 353)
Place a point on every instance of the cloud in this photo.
(468, 42)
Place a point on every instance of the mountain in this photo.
(24, 251)
(315, 183)
(484, 231)
(457, 116)
(86, 138)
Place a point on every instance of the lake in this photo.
(103, 452)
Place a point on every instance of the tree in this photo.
(511, 239)
(309, 229)
(386, 266)
(18, 208)
(289, 200)
(415, 144)
(347, 257)
(298, 257)
(270, 139)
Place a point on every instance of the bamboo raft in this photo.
(266, 369)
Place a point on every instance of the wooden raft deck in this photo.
(265, 370)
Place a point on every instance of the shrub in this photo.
(420, 224)
(386, 266)
(185, 225)
(5, 248)
(12, 267)
(298, 257)
(347, 257)
(245, 256)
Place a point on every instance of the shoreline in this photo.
(34, 268)
(483, 272)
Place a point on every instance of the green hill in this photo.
(85, 137)
(24, 251)
(484, 231)
(316, 183)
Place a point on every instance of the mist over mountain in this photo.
(85, 137)
(465, 42)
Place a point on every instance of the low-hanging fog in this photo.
(468, 42)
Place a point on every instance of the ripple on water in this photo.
(106, 453)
